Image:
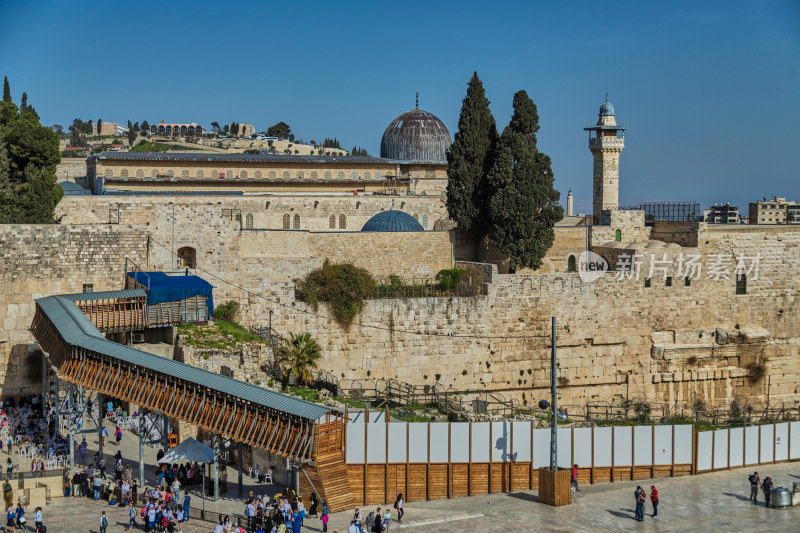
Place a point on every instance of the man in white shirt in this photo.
(353, 527)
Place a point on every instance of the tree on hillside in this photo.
(23, 103)
(524, 205)
(145, 126)
(297, 359)
(6, 90)
(357, 150)
(215, 126)
(281, 129)
(469, 161)
(28, 157)
(132, 131)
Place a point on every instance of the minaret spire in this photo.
(417, 99)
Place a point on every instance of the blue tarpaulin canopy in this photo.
(163, 288)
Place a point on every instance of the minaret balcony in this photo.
(607, 142)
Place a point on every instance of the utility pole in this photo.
(553, 407)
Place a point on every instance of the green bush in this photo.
(449, 277)
(344, 287)
(227, 311)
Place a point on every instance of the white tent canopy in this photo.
(189, 450)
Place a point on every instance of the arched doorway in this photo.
(187, 257)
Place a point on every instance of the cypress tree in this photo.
(524, 205)
(469, 160)
(23, 104)
(6, 90)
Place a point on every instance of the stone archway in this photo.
(187, 257)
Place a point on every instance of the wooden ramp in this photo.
(329, 478)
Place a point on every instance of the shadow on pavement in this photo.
(737, 496)
(525, 496)
(629, 513)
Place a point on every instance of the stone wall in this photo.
(71, 168)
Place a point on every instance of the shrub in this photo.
(227, 311)
(344, 287)
(757, 372)
(449, 278)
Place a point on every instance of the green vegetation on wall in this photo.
(343, 287)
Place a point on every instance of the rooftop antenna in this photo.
(417, 99)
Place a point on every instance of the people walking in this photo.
(103, 522)
(755, 483)
(654, 499)
(20, 512)
(398, 504)
(575, 477)
(37, 518)
(767, 488)
(11, 518)
(131, 516)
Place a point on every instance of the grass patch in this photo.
(220, 336)
(149, 146)
(409, 416)
(307, 394)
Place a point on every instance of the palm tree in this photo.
(298, 357)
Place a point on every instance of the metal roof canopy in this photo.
(76, 329)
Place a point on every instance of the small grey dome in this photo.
(606, 110)
(392, 220)
(416, 135)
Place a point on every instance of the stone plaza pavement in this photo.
(707, 502)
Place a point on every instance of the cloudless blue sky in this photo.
(709, 90)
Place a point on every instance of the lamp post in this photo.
(553, 399)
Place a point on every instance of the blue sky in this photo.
(709, 90)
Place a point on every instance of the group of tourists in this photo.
(641, 500)
(766, 487)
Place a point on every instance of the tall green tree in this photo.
(298, 358)
(28, 157)
(132, 132)
(469, 161)
(6, 90)
(524, 204)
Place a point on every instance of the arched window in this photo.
(185, 173)
(123, 173)
(340, 175)
(257, 175)
(425, 220)
(618, 235)
(108, 173)
(296, 221)
(299, 174)
(272, 175)
(286, 174)
(171, 173)
(215, 173)
(287, 220)
(249, 221)
(229, 174)
(187, 257)
(571, 264)
(200, 174)
(243, 174)
(327, 174)
(416, 217)
(342, 221)
(154, 173)
(140, 173)
(367, 175)
(332, 222)
(354, 175)
(313, 174)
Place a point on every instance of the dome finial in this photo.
(417, 99)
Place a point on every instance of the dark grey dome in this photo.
(392, 220)
(418, 136)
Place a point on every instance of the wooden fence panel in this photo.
(355, 474)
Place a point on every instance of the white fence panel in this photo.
(736, 438)
(751, 445)
(704, 450)
(480, 442)
(582, 446)
(683, 444)
(541, 448)
(720, 448)
(522, 441)
(418, 442)
(355, 443)
(564, 448)
(643, 445)
(782, 441)
(794, 443)
(501, 442)
(439, 442)
(459, 445)
(663, 445)
(602, 446)
(623, 446)
(397, 443)
(767, 442)
(376, 443)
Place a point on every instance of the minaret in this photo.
(569, 204)
(606, 141)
